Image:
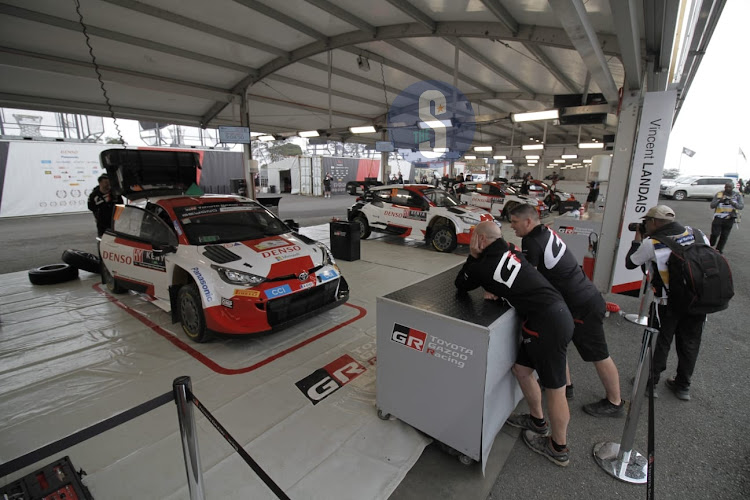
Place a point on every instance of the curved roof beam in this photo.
(629, 38)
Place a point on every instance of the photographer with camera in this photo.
(725, 205)
(648, 248)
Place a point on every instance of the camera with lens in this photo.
(637, 226)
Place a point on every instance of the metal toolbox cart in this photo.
(444, 363)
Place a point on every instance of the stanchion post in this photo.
(619, 459)
(188, 431)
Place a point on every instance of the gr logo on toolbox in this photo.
(325, 381)
(436, 347)
(203, 285)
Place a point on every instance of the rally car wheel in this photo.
(364, 227)
(109, 281)
(52, 274)
(82, 260)
(191, 313)
(444, 238)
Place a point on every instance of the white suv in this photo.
(693, 186)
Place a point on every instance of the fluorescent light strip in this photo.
(559, 161)
(569, 157)
(482, 148)
(435, 124)
(532, 157)
(532, 161)
(470, 157)
(591, 145)
(368, 129)
(551, 114)
(507, 161)
(587, 161)
(440, 150)
(309, 133)
(530, 147)
(266, 138)
(500, 157)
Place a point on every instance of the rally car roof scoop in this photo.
(136, 173)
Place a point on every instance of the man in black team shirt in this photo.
(502, 270)
(546, 251)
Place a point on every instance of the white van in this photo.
(693, 186)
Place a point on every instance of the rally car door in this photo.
(134, 250)
(410, 211)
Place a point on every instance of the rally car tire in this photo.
(444, 238)
(82, 260)
(52, 274)
(364, 227)
(109, 281)
(192, 318)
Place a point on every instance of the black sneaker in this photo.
(682, 393)
(543, 446)
(524, 421)
(604, 408)
(569, 394)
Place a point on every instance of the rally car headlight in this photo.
(238, 277)
(469, 220)
(327, 256)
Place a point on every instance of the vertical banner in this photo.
(645, 177)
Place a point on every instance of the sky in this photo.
(714, 121)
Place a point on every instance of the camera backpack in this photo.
(700, 280)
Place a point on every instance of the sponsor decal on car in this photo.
(265, 245)
(325, 381)
(393, 213)
(115, 257)
(418, 215)
(327, 275)
(203, 285)
(585, 231)
(227, 303)
(309, 284)
(286, 252)
(278, 291)
(430, 344)
(147, 259)
(238, 292)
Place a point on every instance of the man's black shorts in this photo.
(546, 335)
(588, 335)
(593, 195)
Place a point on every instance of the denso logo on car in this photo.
(281, 251)
(122, 259)
(278, 291)
(203, 285)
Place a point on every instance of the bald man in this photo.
(502, 270)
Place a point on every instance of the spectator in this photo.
(102, 203)
(327, 186)
(593, 194)
(725, 205)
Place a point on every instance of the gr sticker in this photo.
(203, 285)
(325, 381)
(408, 337)
(278, 291)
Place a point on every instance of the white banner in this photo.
(49, 178)
(645, 177)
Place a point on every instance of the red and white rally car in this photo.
(219, 263)
(496, 197)
(417, 209)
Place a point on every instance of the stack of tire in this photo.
(73, 260)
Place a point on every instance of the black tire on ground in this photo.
(52, 274)
(109, 281)
(82, 260)
(444, 238)
(679, 195)
(191, 313)
(364, 227)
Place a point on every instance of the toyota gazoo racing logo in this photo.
(432, 345)
(203, 285)
(325, 381)
(408, 336)
(431, 121)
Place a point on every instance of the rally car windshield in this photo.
(228, 222)
(441, 198)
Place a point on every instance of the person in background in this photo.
(102, 203)
(554, 179)
(725, 205)
(327, 186)
(459, 178)
(672, 322)
(400, 178)
(740, 186)
(593, 194)
(525, 184)
(546, 251)
(502, 270)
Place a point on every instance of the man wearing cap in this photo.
(725, 205)
(102, 203)
(647, 248)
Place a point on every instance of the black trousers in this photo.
(686, 329)
(720, 229)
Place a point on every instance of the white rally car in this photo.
(219, 263)
(497, 198)
(417, 209)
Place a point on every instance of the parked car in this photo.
(417, 210)
(497, 198)
(218, 263)
(694, 186)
